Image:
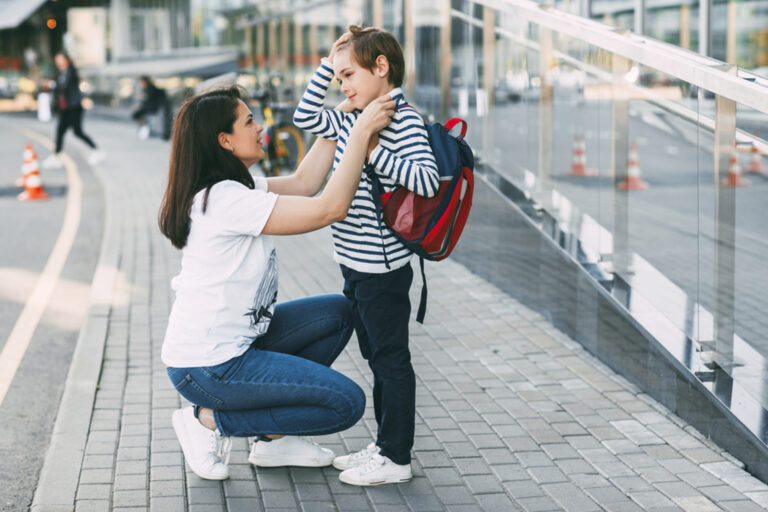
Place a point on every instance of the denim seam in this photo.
(303, 326)
(217, 413)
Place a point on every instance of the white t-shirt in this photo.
(227, 287)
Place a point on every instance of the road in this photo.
(27, 237)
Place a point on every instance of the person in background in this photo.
(152, 99)
(68, 102)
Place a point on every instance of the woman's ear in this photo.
(382, 66)
(224, 141)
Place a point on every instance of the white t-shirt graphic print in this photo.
(227, 288)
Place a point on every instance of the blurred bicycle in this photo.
(284, 143)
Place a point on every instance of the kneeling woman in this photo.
(252, 367)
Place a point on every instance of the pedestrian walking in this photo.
(376, 266)
(68, 102)
(251, 366)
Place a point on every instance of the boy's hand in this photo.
(343, 39)
(345, 106)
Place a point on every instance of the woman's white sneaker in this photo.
(289, 451)
(352, 460)
(206, 452)
(377, 470)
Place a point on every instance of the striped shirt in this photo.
(402, 157)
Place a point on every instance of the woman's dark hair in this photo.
(72, 67)
(197, 159)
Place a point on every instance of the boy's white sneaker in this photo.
(377, 470)
(144, 132)
(206, 452)
(53, 162)
(352, 460)
(289, 451)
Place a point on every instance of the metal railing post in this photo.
(619, 153)
(545, 112)
(410, 49)
(445, 58)
(725, 227)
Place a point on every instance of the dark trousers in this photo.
(382, 309)
(71, 117)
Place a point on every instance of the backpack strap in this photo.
(453, 122)
(423, 301)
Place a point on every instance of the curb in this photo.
(59, 476)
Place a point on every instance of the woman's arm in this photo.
(313, 169)
(310, 174)
(293, 215)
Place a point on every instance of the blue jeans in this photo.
(282, 383)
(382, 309)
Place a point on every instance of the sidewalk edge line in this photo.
(57, 486)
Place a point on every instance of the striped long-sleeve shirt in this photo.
(402, 157)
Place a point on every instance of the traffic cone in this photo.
(33, 184)
(734, 178)
(30, 165)
(634, 180)
(756, 163)
(579, 162)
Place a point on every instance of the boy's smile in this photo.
(359, 85)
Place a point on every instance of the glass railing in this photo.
(644, 160)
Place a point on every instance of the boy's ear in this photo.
(382, 66)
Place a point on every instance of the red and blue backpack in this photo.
(431, 226)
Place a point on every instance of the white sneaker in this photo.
(377, 470)
(53, 162)
(144, 132)
(355, 459)
(289, 451)
(96, 157)
(206, 451)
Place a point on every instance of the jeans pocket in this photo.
(225, 371)
(190, 389)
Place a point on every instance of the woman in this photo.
(67, 97)
(253, 367)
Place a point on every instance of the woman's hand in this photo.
(376, 115)
(340, 41)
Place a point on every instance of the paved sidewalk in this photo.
(511, 413)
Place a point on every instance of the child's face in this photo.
(360, 85)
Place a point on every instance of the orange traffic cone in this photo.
(734, 178)
(634, 180)
(30, 165)
(756, 163)
(579, 162)
(33, 184)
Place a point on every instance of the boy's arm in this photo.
(311, 114)
(415, 168)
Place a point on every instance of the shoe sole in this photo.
(181, 433)
(378, 482)
(277, 462)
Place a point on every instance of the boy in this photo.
(376, 267)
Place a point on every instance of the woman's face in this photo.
(61, 62)
(245, 138)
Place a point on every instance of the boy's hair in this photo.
(368, 43)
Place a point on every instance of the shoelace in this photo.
(222, 447)
(373, 462)
(365, 453)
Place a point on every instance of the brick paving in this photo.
(511, 413)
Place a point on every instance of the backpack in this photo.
(431, 226)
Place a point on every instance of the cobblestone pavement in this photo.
(511, 413)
